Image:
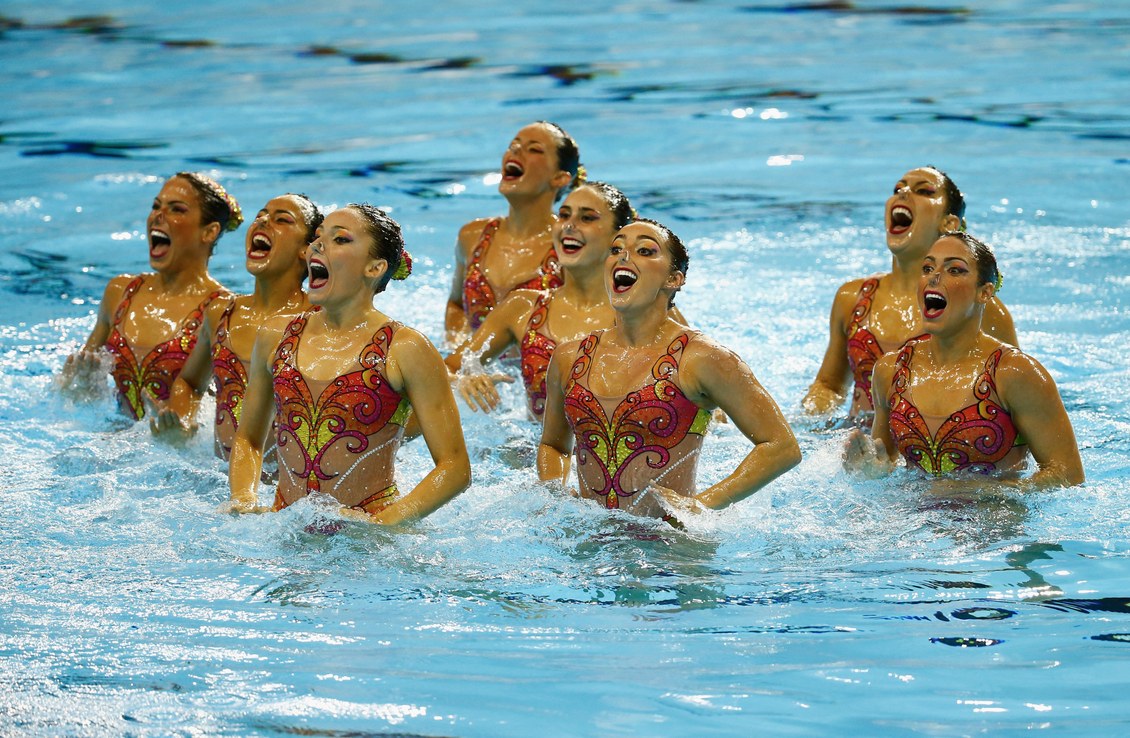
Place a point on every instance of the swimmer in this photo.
(275, 246)
(494, 256)
(961, 402)
(635, 400)
(538, 320)
(340, 380)
(149, 322)
(876, 315)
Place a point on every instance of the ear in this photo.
(675, 281)
(561, 179)
(211, 233)
(985, 293)
(375, 270)
(951, 223)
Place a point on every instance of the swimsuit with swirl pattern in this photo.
(979, 438)
(536, 349)
(653, 433)
(230, 385)
(330, 431)
(479, 296)
(863, 349)
(158, 369)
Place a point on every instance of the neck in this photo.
(185, 279)
(585, 285)
(953, 345)
(273, 293)
(644, 327)
(350, 312)
(530, 216)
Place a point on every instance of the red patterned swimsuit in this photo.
(979, 438)
(479, 297)
(653, 433)
(536, 349)
(863, 349)
(348, 427)
(158, 369)
(230, 383)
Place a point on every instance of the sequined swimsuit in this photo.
(654, 432)
(479, 296)
(348, 428)
(536, 350)
(980, 438)
(863, 349)
(230, 382)
(158, 369)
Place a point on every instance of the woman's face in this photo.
(584, 228)
(948, 292)
(174, 227)
(639, 267)
(276, 238)
(916, 211)
(338, 259)
(530, 164)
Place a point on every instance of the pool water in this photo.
(768, 135)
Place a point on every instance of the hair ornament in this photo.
(635, 214)
(581, 177)
(405, 267)
(999, 283)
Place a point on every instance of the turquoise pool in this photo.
(768, 136)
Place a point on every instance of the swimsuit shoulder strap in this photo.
(902, 367)
(131, 290)
(583, 362)
(987, 383)
(863, 303)
(287, 350)
(667, 365)
(487, 236)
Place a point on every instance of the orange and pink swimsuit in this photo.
(863, 349)
(348, 428)
(158, 369)
(535, 350)
(979, 438)
(653, 434)
(479, 297)
(230, 383)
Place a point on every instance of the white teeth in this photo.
(901, 216)
(513, 169)
(571, 243)
(624, 277)
(260, 241)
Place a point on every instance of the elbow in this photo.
(790, 456)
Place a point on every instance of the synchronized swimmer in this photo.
(585, 296)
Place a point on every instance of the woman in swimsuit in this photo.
(538, 320)
(635, 400)
(959, 401)
(275, 246)
(876, 315)
(339, 382)
(149, 322)
(494, 256)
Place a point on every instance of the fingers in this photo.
(479, 393)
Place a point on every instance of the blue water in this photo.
(768, 136)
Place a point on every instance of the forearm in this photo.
(184, 400)
(766, 462)
(244, 470)
(455, 322)
(443, 483)
(553, 464)
(824, 396)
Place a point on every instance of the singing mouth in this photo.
(512, 170)
(901, 219)
(623, 279)
(319, 274)
(933, 304)
(260, 246)
(571, 245)
(159, 243)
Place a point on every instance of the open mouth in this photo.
(571, 245)
(512, 170)
(260, 247)
(159, 243)
(623, 279)
(933, 305)
(319, 274)
(901, 219)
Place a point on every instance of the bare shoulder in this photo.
(470, 232)
(703, 351)
(1017, 366)
(409, 344)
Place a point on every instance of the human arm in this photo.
(175, 419)
(416, 369)
(246, 463)
(873, 456)
(499, 331)
(1032, 399)
(455, 322)
(556, 435)
(997, 322)
(829, 388)
(715, 375)
(84, 372)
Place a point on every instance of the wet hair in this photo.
(216, 205)
(568, 155)
(955, 201)
(617, 202)
(983, 256)
(312, 215)
(388, 242)
(680, 260)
